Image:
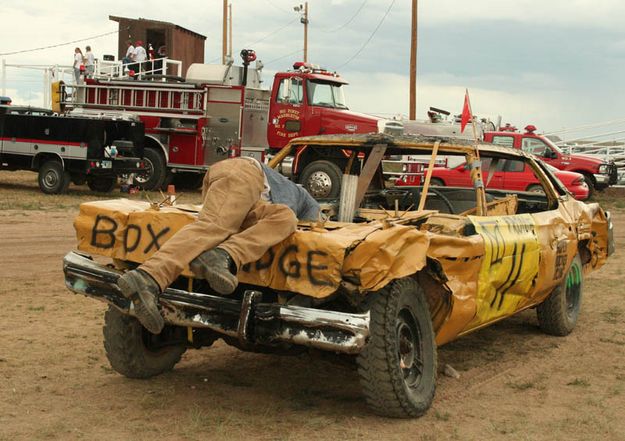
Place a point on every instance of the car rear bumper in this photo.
(249, 320)
(117, 166)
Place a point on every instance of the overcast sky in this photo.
(556, 64)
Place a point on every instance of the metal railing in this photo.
(102, 70)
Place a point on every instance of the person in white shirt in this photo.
(139, 56)
(89, 62)
(129, 53)
(78, 62)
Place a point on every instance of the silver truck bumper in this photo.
(602, 179)
(249, 320)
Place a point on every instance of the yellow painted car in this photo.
(387, 275)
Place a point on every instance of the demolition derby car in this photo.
(387, 275)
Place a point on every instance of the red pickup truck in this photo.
(598, 173)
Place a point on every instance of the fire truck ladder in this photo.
(155, 97)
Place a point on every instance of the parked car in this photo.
(599, 173)
(509, 174)
(408, 270)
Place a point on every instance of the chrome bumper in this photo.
(249, 320)
(611, 244)
(602, 178)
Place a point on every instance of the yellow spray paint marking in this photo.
(509, 267)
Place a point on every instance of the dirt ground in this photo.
(56, 383)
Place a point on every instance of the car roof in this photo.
(406, 143)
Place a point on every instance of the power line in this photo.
(282, 57)
(587, 126)
(278, 7)
(273, 32)
(348, 21)
(58, 45)
(370, 36)
(250, 45)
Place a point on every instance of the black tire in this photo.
(155, 173)
(400, 322)
(135, 352)
(322, 179)
(188, 181)
(79, 178)
(102, 184)
(558, 314)
(590, 181)
(53, 179)
(437, 182)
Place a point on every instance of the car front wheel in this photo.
(397, 367)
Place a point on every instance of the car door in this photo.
(517, 176)
(539, 148)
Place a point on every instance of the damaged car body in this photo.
(388, 275)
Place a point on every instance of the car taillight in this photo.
(578, 181)
(234, 151)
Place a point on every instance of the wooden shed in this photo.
(180, 43)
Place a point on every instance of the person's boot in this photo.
(217, 268)
(143, 291)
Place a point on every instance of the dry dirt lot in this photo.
(55, 381)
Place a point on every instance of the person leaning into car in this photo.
(247, 208)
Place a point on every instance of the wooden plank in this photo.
(368, 171)
(428, 177)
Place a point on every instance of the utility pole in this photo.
(230, 31)
(303, 10)
(224, 41)
(413, 63)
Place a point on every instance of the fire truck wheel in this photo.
(53, 179)
(154, 175)
(102, 184)
(188, 181)
(322, 179)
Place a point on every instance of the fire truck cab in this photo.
(221, 111)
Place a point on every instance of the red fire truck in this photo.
(219, 111)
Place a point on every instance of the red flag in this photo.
(466, 112)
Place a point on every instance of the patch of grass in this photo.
(579, 382)
(442, 416)
(521, 386)
(504, 427)
(107, 369)
(36, 308)
(616, 390)
(612, 315)
(613, 341)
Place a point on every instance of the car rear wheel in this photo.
(397, 367)
(53, 179)
(558, 314)
(102, 184)
(135, 352)
(436, 182)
